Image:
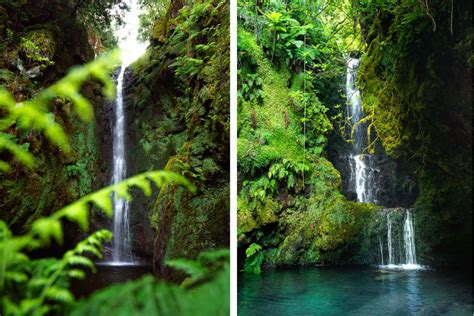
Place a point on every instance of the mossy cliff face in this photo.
(290, 199)
(415, 78)
(181, 117)
(38, 45)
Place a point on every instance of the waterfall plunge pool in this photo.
(355, 290)
(109, 274)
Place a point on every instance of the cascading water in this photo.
(362, 175)
(409, 239)
(400, 240)
(364, 181)
(381, 249)
(131, 49)
(389, 239)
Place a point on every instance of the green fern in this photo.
(147, 296)
(40, 286)
(254, 259)
(33, 114)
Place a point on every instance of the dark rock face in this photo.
(57, 179)
(395, 184)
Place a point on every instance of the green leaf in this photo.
(193, 268)
(47, 228)
(252, 249)
(78, 213)
(59, 294)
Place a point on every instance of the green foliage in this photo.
(34, 54)
(40, 286)
(254, 259)
(260, 189)
(250, 87)
(51, 280)
(415, 80)
(288, 170)
(146, 296)
(203, 268)
(99, 15)
(33, 114)
(27, 284)
(152, 10)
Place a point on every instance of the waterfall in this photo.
(121, 228)
(131, 49)
(362, 174)
(409, 239)
(399, 226)
(363, 178)
(381, 249)
(389, 240)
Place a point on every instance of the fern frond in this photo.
(58, 294)
(33, 114)
(77, 211)
(17, 277)
(48, 228)
(75, 260)
(193, 268)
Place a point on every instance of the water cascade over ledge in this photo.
(362, 171)
(131, 49)
(398, 236)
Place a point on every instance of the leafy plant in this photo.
(33, 114)
(26, 285)
(259, 190)
(290, 171)
(254, 259)
(251, 87)
(18, 270)
(207, 294)
(34, 53)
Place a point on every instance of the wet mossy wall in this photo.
(40, 41)
(415, 79)
(181, 118)
(290, 200)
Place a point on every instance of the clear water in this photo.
(354, 291)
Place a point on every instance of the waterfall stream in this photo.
(362, 178)
(389, 240)
(409, 240)
(362, 174)
(131, 49)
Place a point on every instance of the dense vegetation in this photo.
(416, 90)
(53, 157)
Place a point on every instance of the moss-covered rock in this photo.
(34, 37)
(290, 199)
(416, 84)
(180, 114)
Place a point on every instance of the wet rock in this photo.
(34, 72)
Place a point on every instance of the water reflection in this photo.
(413, 292)
(354, 291)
